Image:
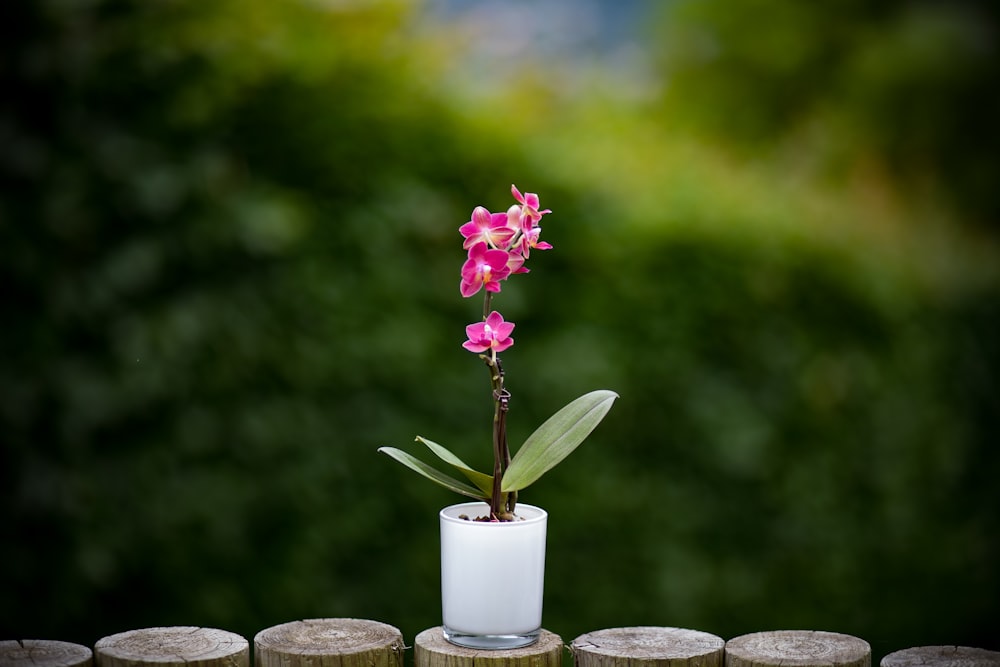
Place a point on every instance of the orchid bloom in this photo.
(529, 205)
(490, 228)
(485, 267)
(515, 218)
(529, 240)
(493, 334)
(516, 263)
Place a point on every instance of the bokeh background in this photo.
(228, 234)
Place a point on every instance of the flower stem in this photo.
(498, 427)
(500, 509)
(501, 451)
(486, 305)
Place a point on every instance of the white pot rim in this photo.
(526, 514)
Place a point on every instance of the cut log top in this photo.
(648, 647)
(330, 642)
(942, 656)
(805, 648)
(431, 649)
(182, 646)
(44, 653)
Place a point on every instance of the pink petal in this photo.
(469, 270)
(515, 262)
(498, 220)
(504, 330)
(517, 193)
(469, 288)
(478, 251)
(494, 320)
(468, 229)
(481, 217)
(497, 260)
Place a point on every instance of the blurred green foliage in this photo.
(230, 261)
(901, 83)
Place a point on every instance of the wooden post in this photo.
(43, 653)
(181, 646)
(431, 649)
(647, 647)
(329, 642)
(942, 656)
(800, 648)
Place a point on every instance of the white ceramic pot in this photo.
(492, 576)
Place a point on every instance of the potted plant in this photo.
(495, 533)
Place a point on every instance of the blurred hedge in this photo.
(903, 86)
(231, 267)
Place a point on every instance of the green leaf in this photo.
(432, 474)
(556, 439)
(483, 481)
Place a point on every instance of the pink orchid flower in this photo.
(515, 218)
(485, 267)
(529, 204)
(515, 261)
(493, 334)
(490, 228)
(529, 240)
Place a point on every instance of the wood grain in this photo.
(329, 642)
(802, 648)
(942, 656)
(648, 646)
(179, 646)
(44, 653)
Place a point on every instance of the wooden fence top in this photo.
(648, 646)
(942, 656)
(431, 649)
(180, 646)
(330, 642)
(43, 653)
(803, 648)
